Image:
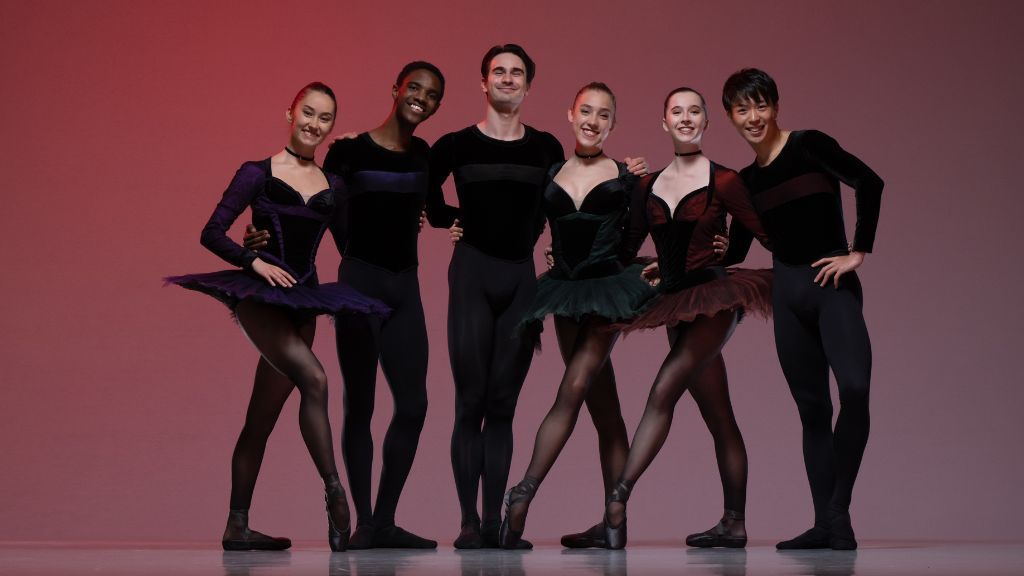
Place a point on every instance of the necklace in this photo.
(588, 156)
(297, 155)
(694, 153)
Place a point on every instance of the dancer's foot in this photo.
(395, 537)
(841, 535)
(592, 537)
(490, 532)
(517, 505)
(728, 533)
(813, 539)
(615, 516)
(238, 535)
(362, 538)
(339, 529)
(470, 537)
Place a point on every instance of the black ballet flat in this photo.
(469, 538)
(362, 538)
(815, 538)
(337, 537)
(592, 537)
(841, 536)
(615, 536)
(396, 537)
(509, 539)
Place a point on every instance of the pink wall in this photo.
(123, 122)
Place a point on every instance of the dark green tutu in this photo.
(617, 297)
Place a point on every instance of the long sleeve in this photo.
(745, 226)
(867, 186)
(637, 226)
(335, 163)
(439, 213)
(247, 183)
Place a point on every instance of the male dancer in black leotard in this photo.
(817, 299)
(385, 171)
(499, 166)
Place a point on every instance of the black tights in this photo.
(487, 299)
(694, 363)
(602, 404)
(286, 362)
(816, 329)
(399, 343)
(593, 344)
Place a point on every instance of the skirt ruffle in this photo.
(617, 297)
(745, 290)
(233, 286)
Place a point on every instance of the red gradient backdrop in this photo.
(123, 121)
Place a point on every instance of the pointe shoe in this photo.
(338, 532)
(523, 492)
(243, 538)
(592, 537)
(489, 533)
(615, 536)
(719, 537)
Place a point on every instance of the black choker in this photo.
(297, 155)
(588, 156)
(694, 153)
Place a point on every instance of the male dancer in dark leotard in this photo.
(385, 171)
(499, 166)
(817, 299)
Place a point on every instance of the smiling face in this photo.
(756, 121)
(418, 96)
(505, 84)
(685, 118)
(592, 118)
(311, 119)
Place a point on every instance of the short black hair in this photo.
(421, 65)
(749, 84)
(516, 49)
(703, 103)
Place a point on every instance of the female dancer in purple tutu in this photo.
(683, 207)
(591, 285)
(275, 297)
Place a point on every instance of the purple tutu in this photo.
(233, 286)
(745, 290)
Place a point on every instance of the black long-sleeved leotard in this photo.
(385, 191)
(797, 199)
(498, 184)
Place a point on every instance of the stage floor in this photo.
(903, 558)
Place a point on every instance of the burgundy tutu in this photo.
(742, 289)
(233, 286)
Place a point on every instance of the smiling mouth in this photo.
(416, 108)
(589, 132)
